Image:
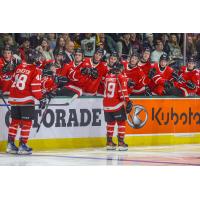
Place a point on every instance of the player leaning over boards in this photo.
(25, 88)
(116, 104)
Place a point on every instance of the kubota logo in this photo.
(138, 118)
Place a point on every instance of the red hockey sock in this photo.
(121, 129)
(12, 131)
(25, 130)
(110, 129)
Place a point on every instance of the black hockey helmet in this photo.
(7, 48)
(116, 68)
(114, 54)
(147, 49)
(164, 56)
(136, 54)
(99, 50)
(78, 50)
(32, 57)
(191, 59)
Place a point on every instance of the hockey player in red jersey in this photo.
(116, 104)
(93, 70)
(187, 80)
(25, 89)
(161, 76)
(137, 81)
(7, 66)
(144, 62)
(72, 72)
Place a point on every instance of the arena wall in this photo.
(153, 121)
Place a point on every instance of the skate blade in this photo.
(123, 148)
(24, 153)
(11, 152)
(110, 148)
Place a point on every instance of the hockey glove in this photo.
(152, 73)
(94, 73)
(190, 85)
(43, 103)
(50, 95)
(8, 68)
(130, 83)
(168, 85)
(129, 107)
(85, 71)
(61, 81)
(147, 91)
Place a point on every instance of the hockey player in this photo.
(7, 66)
(161, 77)
(144, 62)
(25, 88)
(72, 72)
(187, 79)
(137, 81)
(93, 70)
(116, 104)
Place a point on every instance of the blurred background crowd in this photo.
(48, 44)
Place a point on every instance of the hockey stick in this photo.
(43, 116)
(46, 109)
(124, 98)
(2, 97)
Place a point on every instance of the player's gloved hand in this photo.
(9, 67)
(129, 107)
(152, 72)
(168, 85)
(147, 91)
(50, 95)
(190, 85)
(61, 81)
(43, 103)
(94, 73)
(130, 83)
(176, 76)
(85, 71)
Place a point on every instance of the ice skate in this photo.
(24, 149)
(122, 146)
(110, 145)
(11, 148)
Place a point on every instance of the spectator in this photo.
(24, 49)
(66, 37)
(76, 38)
(149, 42)
(9, 42)
(45, 50)
(135, 44)
(52, 40)
(88, 45)
(175, 50)
(124, 46)
(36, 39)
(69, 50)
(156, 54)
(190, 47)
(60, 45)
(110, 45)
(198, 47)
(165, 41)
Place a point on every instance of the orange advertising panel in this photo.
(159, 115)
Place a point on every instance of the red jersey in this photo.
(48, 84)
(115, 93)
(145, 67)
(72, 72)
(156, 84)
(26, 85)
(5, 78)
(6, 82)
(188, 76)
(136, 75)
(91, 85)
